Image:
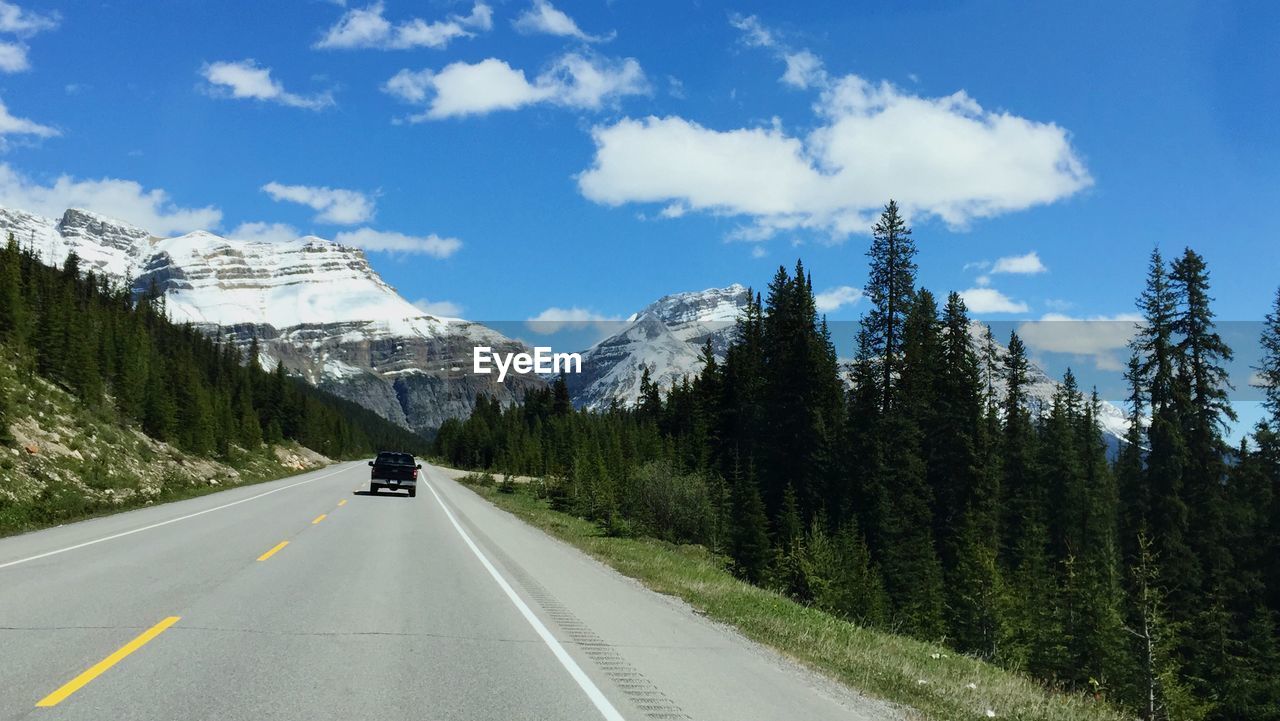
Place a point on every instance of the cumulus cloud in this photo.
(543, 18)
(25, 23)
(263, 232)
(13, 57)
(337, 206)
(14, 20)
(1028, 264)
(367, 28)
(12, 125)
(835, 298)
(127, 200)
(804, 70)
(945, 157)
(245, 79)
(392, 242)
(990, 300)
(553, 319)
(439, 308)
(574, 80)
(1100, 338)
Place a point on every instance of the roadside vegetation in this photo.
(921, 492)
(106, 405)
(931, 680)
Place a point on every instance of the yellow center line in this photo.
(97, 669)
(274, 550)
(320, 518)
(343, 502)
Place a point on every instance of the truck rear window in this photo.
(394, 459)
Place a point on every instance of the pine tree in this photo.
(749, 539)
(889, 289)
(1202, 356)
(1269, 367)
(14, 316)
(1167, 458)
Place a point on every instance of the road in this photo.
(306, 598)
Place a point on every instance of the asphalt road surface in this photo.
(307, 598)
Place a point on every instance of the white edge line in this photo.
(593, 692)
(114, 536)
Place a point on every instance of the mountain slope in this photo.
(315, 305)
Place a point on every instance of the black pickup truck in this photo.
(394, 470)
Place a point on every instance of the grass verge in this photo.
(929, 681)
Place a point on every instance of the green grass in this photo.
(929, 681)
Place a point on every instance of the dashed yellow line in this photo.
(274, 550)
(319, 518)
(343, 502)
(100, 667)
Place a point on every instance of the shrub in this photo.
(667, 503)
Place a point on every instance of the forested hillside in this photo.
(922, 502)
(118, 352)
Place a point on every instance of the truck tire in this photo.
(374, 488)
(413, 492)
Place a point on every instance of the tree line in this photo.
(920, 490)
(110, 348)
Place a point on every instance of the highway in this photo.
(307, 598)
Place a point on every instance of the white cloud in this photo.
(244, 79)
(837, 297)
(337, 206)
(804, 70)
(11, 125)
(543, 18)
(1028, 264)
(573, 80)
(990, 300)
(367, 28)
(439, 308)
(13, 57)
(392, 242)
(151, 209)
(754, 34)
(1099, 338)
(25, 23)
(553, 319)
(262, 232)
(758, 251)
(945, 157)
(1257, 380)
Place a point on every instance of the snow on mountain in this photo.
(666, 336)
(106, 246)
(315, 305)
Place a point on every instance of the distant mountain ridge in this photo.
(322, 310)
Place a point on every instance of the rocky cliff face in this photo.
(314, 305)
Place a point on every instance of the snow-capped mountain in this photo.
(313, 304)
(666, 336)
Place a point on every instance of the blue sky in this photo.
(521, 159)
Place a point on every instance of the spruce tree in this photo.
(749, 539)
(1269, 367)
(890, 287)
